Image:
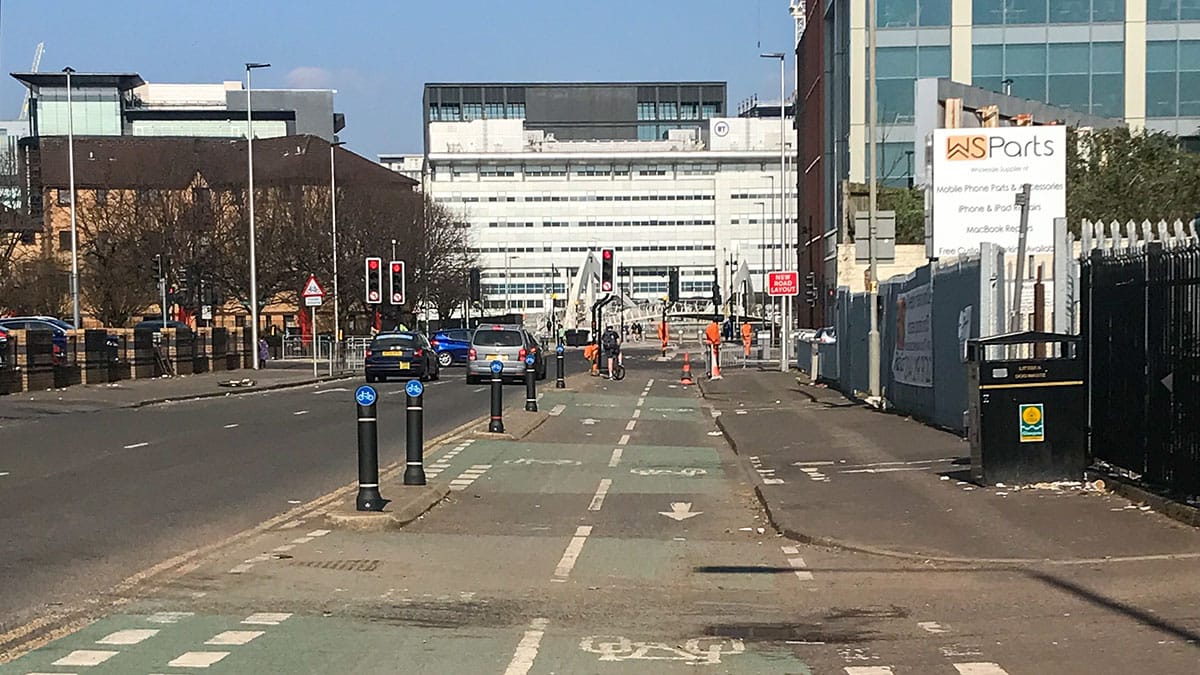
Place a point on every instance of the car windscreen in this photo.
(497, 338)
(394, 342)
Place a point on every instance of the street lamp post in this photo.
(250, 201)
(337, 333)
(873, 346)
(508, 282)
(772, 200)
(71, 179)
(785, 324)
(762, 221)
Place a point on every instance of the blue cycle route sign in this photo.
(497, 366)
(414, 388)
(559, 349)
(365, 395)
(529, 360)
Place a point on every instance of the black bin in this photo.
(1027, 408)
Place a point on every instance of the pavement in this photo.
(624, 534)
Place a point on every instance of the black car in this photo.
(406, 354)
(157, 325)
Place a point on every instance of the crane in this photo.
(37, 61)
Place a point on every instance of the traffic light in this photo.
(608, 266)
(374, 280)
(396, 282)
(673, 284)
(716, 292)
(158, 266)
(475, 285)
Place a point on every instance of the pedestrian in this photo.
(264, 352)
(712, 338)
(747, 335)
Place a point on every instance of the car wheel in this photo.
(445, 359)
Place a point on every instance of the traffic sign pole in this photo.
(414, 465)
(530, 385)
(559, 382)
(496, 425)
(369, 498)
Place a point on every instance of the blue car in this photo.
(58, 329)
(451, 345)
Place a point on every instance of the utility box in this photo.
(1027, 415)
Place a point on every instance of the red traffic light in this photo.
(607, 253)
(373, 263)
(397, 267)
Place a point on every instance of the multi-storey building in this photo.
(668, 181)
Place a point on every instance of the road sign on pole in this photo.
(313, 294)
(783, 283)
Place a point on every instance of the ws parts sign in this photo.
(912, 362)
(977, 174)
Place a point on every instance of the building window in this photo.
(1173, 78)
(647, 132)
(646, 111)
(904, 13)
(1173, 10)
(667, 111)
(514, 111)
(689, 111)
(64, 240)
(1088, 77)
(64, 197)
(709, 110)
(472, 111)
(897, 71)
(101, 197)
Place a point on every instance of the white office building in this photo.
(703, 199)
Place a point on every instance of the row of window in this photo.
(1173, 78)
(585, 248)
(454, 112)
(669, 110)
(579, 198)
(601, 170)
(604, 223)
(909, 13)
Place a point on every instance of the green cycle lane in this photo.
(499, 578)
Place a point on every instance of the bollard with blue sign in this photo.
(530, 385)
(414, 465)
(496, 425)
(369, 498)
(559, 382)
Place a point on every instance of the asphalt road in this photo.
(88, 499)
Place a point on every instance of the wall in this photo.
(851, 274)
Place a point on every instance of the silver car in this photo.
(509, 344)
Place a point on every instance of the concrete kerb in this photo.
(412, 503)
(1164, 504)
(239, 391)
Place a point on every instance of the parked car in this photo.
(507, 343)
(157, 325)
(405, 354)
(57, 328)
(452, 346)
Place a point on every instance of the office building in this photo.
(656, 170)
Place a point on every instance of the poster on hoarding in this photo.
(912, 362)
(977, 174)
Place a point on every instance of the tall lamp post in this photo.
(250, 201)
(337, 333)
(762, 221)
(785, 326)
(873, 346)
(508, 282)
(71, 179)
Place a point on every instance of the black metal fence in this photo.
(1141, 327)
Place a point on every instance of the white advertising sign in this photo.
(977, 174)
(912, 362)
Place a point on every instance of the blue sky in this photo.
(379, 53)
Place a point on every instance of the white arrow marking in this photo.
(680, 511)
(1169, 382)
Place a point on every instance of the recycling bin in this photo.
(1027, 414)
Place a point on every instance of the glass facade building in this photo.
(1138, 61)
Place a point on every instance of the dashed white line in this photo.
(128, 637)
(624, 440)
(300, 412)
(979, 668)
(931, 627)
(868, 670)
(466, 478)
(641, 401)
(85, 657)
(284, 549)
(267, 618)
(168, 617)
(616, 458)
(479, 389)
(136, 445)
(301, 540)
(601, 492)
(571, 554)
(197, 659)
(630, 425)
(557, 410)
(797, 563)
(234, 637)
(318, 533)
(637, 413)
(527, 648)
(650, 383)
(231, 426)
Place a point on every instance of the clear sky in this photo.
(377, 54)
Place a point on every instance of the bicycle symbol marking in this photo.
(696, 651)
(527, 461)
(688, 472)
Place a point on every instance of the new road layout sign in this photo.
(783, 283)
(313, 294)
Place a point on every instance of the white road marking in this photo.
(301, 540)
(868, 670)
(527, 648)
(601, 492)
(801, 573)
(680, 511)
(803, 464)
(557, 410)
(240, 569)
(624, 440)
(887, 469)
(197, 659)
(979, 669)
(571, 554)
(630, 425)
(300, 412)
(466, 478)
(231, 426)
(616, 458)
(234, 637)
(641, 401)
(479, 389)
(329, 391)
(318, 533)
(283, 549)
(168, 617)
(650, 383)
(815, 474)
(931, 627)
(85, 657)
(136, 445)
(789, 550)
(637, 413)
(291, 524)
(266, 618)
(3, 474)
(128, 637)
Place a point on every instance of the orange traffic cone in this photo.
(686, 377)
(716, 366)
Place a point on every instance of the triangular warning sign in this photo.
(312, 289)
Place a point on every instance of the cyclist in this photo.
(610, 340)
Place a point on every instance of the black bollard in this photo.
(414, 469)
(559, 382)
(369, 498)
(530, 386)
(496, 426)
